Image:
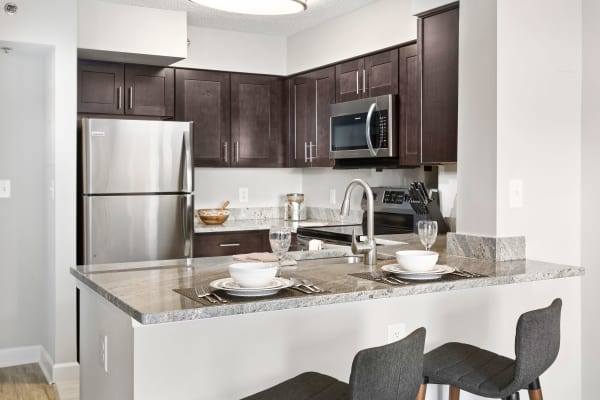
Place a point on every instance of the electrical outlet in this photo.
(104, 352)
(516, 193)
(4, 189)
(243, 195)
(332, 196)
(396, 332)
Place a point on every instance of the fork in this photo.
(202, 293)
(300, 286)
(379, 277)
(311, 286)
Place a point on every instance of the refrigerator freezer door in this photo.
(133, 156)
(137, 228)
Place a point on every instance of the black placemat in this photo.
(445, 278)
(286, 293)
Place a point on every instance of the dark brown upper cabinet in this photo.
(311, 97)
(370, 76)
(256, 121)
(203, 98)
(410, 98)
(150, 90)
(125, 89)
(100, 87)
(438, 68)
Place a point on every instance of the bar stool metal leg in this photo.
(454, 393)
(535, 390)
(514, 396)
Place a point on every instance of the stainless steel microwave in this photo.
(364, 128)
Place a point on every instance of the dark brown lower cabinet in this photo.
(230, 243)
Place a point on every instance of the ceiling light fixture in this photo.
(256, 7)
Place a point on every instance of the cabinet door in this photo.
(350, 84)
(203, 98)
(410, 122)
(322, 96)
(256, 129)
(100, 87)
(300, 118)
(438, 51)
(230, 243)
(382, 73)
(150, 90)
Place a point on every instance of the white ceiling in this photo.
(318, 12)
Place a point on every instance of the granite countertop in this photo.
(144, 290)
(261, 224)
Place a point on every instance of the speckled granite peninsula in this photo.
(145, 290)
(161, 344)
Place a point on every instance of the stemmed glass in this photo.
(427, 233)
(280, 238)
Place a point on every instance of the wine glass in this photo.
(280, 238)
(427, 232)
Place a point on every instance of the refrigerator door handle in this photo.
(188, 184)
(188, 229)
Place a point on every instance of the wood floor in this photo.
(25, 382)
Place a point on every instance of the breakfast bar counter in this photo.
(158, 343)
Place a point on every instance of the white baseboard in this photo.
(19, 356)
(54, 373)
(66, 373)
(46, 364)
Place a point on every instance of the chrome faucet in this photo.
(368, 248)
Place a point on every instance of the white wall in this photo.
(223, 50)
(125, 33)
(539, 124)
(590, 192)
(476, 202)
(381, 24)
(23, 231)
(267, 187)
(55, 24)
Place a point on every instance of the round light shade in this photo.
(257, 7)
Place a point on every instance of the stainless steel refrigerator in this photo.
(137, 190)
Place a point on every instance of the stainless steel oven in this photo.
(364, 128)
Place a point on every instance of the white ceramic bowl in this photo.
(417, 260)
(253, 275)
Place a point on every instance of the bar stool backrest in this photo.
(537, 342)
(390, 372)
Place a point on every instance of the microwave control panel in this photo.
(394, 197)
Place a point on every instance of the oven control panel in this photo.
(394, 197)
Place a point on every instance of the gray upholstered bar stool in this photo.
(486, 374)
(390, 372)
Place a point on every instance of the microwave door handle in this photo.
(368, 130)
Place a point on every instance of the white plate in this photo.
(400, 272)
(229, 286)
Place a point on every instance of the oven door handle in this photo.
(368, 130)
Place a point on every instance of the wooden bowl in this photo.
(212, 216)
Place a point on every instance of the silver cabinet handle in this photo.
(119, 97)
(225, 151)
(131, 98)
(368, 130)
(310, 156)
(305, 152)
(357, 89)
(364, 81)
(237, 152)
(229, 244)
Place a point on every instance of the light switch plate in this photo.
(4, 189)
